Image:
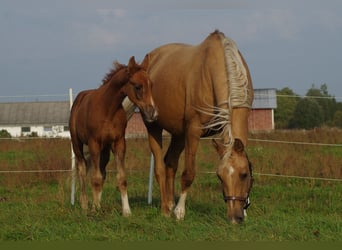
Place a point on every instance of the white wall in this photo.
(42, 131)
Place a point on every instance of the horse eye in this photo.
(243, 176)
(138, 87)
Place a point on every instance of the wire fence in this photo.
(203, 172)
(66, 95)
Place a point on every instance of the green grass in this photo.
(281, 210)
(36, 206)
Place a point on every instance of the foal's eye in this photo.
(243, 176)
(138, 87)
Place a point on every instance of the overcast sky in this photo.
(47, 47)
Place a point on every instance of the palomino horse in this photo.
(199, 91)
(98, 120)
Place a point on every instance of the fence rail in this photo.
(72, 158)
(203, 172)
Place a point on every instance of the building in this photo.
(261, 117)
(50, 119)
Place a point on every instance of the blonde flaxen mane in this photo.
(239, 94)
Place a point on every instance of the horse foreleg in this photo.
(171, 161)
(188, 175)
(119, 150)
(155, 140)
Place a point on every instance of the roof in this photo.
(265, 99)
(58, 112)
(34, 113)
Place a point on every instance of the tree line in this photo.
(316, 109)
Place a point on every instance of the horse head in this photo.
(139, 89)
(235, 174)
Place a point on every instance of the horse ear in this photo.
(131, 65)
(145, 62)
(238, 145)
(219, 147)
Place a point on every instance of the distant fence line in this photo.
(203, 172)
(206, 138)
(72, 158)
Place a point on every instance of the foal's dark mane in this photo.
(116, 67)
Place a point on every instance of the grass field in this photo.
(36, 206)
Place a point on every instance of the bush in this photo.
(5, 134)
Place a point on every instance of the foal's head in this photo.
(235, 173)
(139, 90)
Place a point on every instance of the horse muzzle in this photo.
(150, 113)
(236, 208)
(235, 216)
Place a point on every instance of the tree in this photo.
(338, 119)
(326, 101)
(308, 114)
(286, 104)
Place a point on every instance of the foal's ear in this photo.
(145, 62)
(238, 145)
(131, 65)
(219, 147)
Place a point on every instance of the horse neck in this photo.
(112, 94)
(240, 124)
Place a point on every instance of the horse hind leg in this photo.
(82, 174)
(97, 179)
(81, 167)
(119, 150)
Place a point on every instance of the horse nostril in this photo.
(155, 115)
(236, 220)
(239, 219)
(150, 113)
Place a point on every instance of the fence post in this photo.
(73, 177)
(150, 182)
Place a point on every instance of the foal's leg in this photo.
(81, 171)
(119, 150)
(191, 145)
(97, 179)
(171, 161)
(104, 159)
(82, 174)
(155, 140)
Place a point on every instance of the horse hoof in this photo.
(126, 213)
(166, 214)
(84, 207)
(179, 213)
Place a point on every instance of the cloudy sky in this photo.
(47, 47)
